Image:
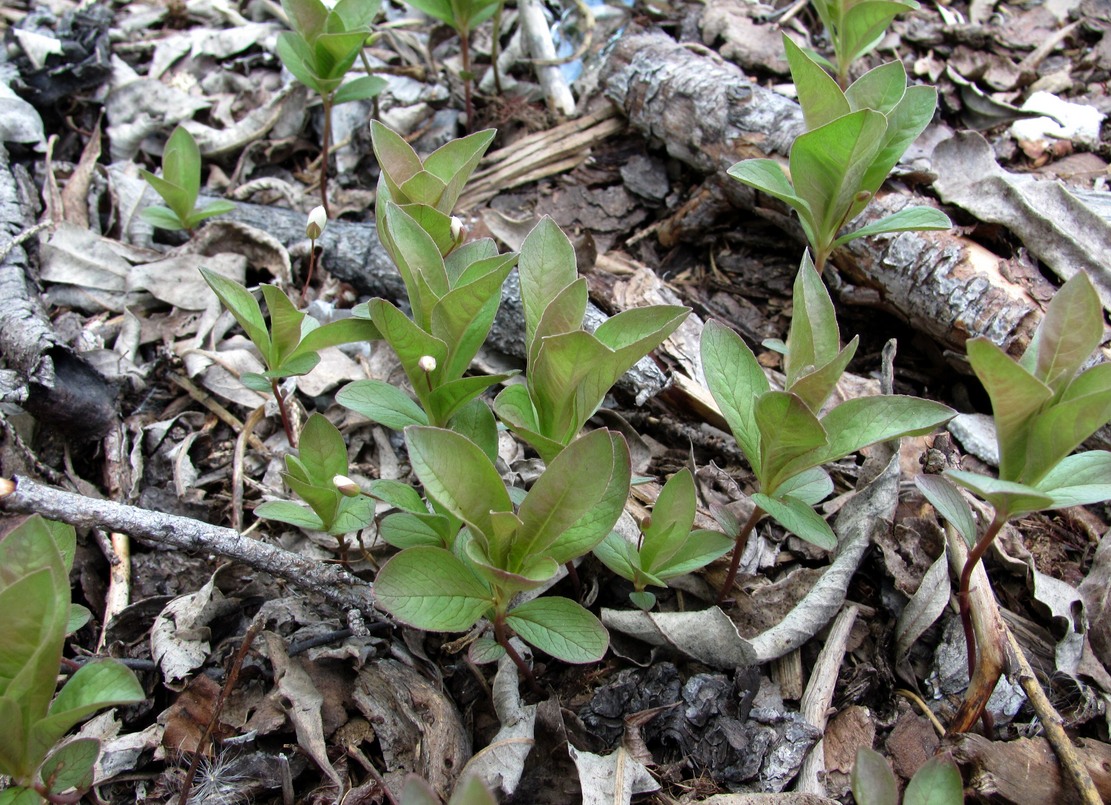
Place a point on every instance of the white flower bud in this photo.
(456, 230)
(318, 219)
(427, 364)
(346, 486)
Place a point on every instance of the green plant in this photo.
(853, 140)
(319, 51)
(463, 16)
(470, 791)
(937, 782)
(318, 474)
(1044, 407)
(505, 550)
(783, 434)
(570, 370)
(35, 617)
(666, 547)
(454, 291)
(855, 27)
(179, 185)
(289, 348)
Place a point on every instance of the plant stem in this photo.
(283, 409)
(963, 596)
(465, 52)
(738, 549)
(312, 266)
(326, 101)
(501, 634)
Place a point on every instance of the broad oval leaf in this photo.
(382, 403)
(1079, 480)
(811, 486)
(431, 589)
(409, 530)
(736, 380)
(70, 766)
(96, 685)
(872, 780)
(285, 511)
(938, 782)
(322, 449)
(586, 532)
(798, 518)
(560, 627)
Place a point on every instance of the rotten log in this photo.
(58, 387)
(1026, 771)
(709, 115)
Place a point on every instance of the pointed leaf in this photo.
(1068, 334)
(454, 162)
(1009, 499)
(1079, 480)
(560, 627)
(431, 589)
(242, 306)
(672, 518)
(950, 504)
(285, 511)
(698, 549)
(285, 324)
(396, 158)
(905, 122)
(881, 88)
(362, 88)
(1083, 408)
(307, 17)
(813, 339)
(811, 486)
(586, 532)
(546, 266)
(819, 96)
(449, 398)
(798, 518)
(910, 219)
(96, 685)
(788, 429)
(397, 494)
(322, 449)
(616, 553)
(163, 218)
(408, 530)
(382, 403)
(181, 166)
(736, 380)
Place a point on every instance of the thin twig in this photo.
(249, 426)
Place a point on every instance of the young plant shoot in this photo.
(1044, 407)
(783, 434)
(507, 550)
(855, 27)
(319, 51)
(289, 348)
(570, 370)
(667, 546)
(853, 140)
(454, 292)
(35, 561)
(179, 185)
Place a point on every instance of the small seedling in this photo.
(454, 292)
(506, 550)
(289, 348)
(1044, 407)
(667, 546)
(855, 27)
(319, 51)
(853, 140)
(570, 371)
(179, 185)
(463, 16)
(937, 782)
(35, 617)
(318, 474)
(782, 434)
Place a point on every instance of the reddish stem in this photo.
(738, 549)
(963, 598)
(465, 53)
(283, 409)
(312, 266)
(501, 634)
(327, 103)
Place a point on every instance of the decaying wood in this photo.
(56, 385)
(709, 115)
(25, 496)
(1025, 771)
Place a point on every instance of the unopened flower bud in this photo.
(346, 486)
(427, 364)
(456, 230)
(318, 219)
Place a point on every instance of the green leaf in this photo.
(798, 518)
(357, 14)
(819, 96)
(910, 219)
(1016, 396)
(814, 388)
(341, 331)
(864, 24)
(395, 493)
(163, 218)
(546, 267)
(449, 398)
(298, 57)
(828, 164)
(1008, 498)
(872, 780)
(768, 176)
(672, 518)
(33, 622)
(322, 449)
(362, 88)
(408, 530)
(813, 339)
(431, 589)
(616, 553)
(788, 430)
(13, 744)
(458, 475)
(307, 17)
(382, 403)
(1068, 334)
(938, 782)
(563, 314)
(736, 380)
(454, 162)
(564, 494)
(950, 504)
(699, 548)
(419, 261)
(100, 684)
(285, 324)
(586, 532)
(396, 158)
(439, 9)
(560, 627)
(70, 766)
(1079, 480)
(78, 617)
(881, 88)
(476, 421)
(904, 123)
(218, 207)
(353, 515)
(242, 306)
(335, 53)
(285, 511)
(811, 486)
(1082, 408)
(34, 544)
(462, 318)
(19, 796)
(643, 599)
(181, 167)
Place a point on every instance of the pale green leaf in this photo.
(1008, 498)
(1079, 480)
(431, 589)
(380, 402)
(285, 511)
(698, 549)
(813, 339)
(788, 430)
(819, 96)
(938, 782)
(242, 306)
(546, 267)
(1068, 334)
(872, 780)
(362, 88)
(910, 219)
(560, 627)
(70, 766)
(950, 504)
(736, 380)
(798, 518)
(95, 686)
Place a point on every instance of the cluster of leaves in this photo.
(668, 545)
(783, 434)
(507, 549)
(937, 782)
(855, 27)
(853, 140)
(454, 292)
(180, 185)
(290, 346)
(35, 559)
(570, 370)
